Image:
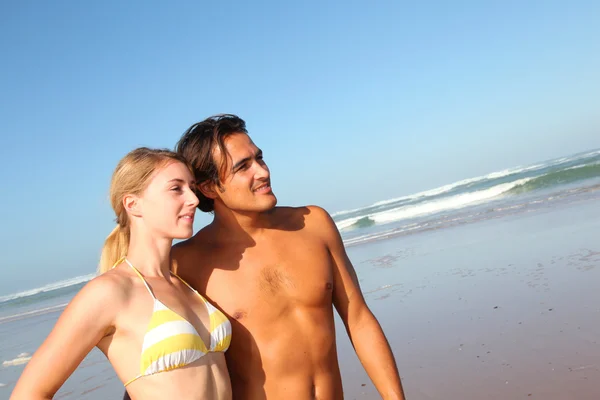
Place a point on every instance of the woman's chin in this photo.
(183, 234)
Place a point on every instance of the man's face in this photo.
(245, 182)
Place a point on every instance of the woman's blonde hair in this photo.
(131, 177)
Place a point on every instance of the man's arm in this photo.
(364, 331)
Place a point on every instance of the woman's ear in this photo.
(132, 205)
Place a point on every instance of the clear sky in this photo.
(352, 102)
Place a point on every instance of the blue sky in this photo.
(352, 103)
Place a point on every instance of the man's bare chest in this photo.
(269, 283)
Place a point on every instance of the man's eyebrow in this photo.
(244, 160)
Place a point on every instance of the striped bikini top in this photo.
(172, 342)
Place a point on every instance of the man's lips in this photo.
(264, 188)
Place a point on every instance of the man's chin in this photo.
(270, 204)
(274, 199)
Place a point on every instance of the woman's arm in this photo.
(85, 321)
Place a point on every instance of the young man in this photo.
(276, 272)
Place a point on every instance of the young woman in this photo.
(163, 338)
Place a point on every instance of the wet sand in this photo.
(501, 309)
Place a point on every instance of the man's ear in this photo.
(132, 205)
(207, 188)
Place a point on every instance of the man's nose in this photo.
(261, 171)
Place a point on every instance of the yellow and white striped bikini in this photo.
(172, 342)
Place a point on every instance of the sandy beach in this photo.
(501, 309)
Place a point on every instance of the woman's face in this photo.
(168, 205)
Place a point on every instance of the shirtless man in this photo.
(276, 272)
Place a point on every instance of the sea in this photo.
(542, 188)
(513, 190)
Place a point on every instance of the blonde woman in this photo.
(163, 339)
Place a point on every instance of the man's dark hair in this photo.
(197, 145)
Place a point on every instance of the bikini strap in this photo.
(119, 261)
(140, 275)
(187, 284)
(211, 314)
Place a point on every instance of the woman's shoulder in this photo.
(112, 288)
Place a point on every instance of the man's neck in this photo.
(243, 224)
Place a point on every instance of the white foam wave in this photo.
(377, 235)
(48, 288)
(22, 358)
(577, 157)
(345, 212)
(581, 166)
(428, 193)
(343, 224)
(435, 206)
(32, 313)
(449, 187)
(492, 175)
(562, 160)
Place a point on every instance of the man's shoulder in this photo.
(182, 248)
(283, 211)
(185, 253)
(306, 218)
(194, 243)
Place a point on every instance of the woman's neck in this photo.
(150, 255)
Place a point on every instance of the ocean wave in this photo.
(363, 222)
(47, 288)
(346, 212)
(560, 177)
(32, 313)
(362, 217)
(377, 235)
(423, 195)
(434, 206)
(581, 166)
(464, 182)
(22, 358)
(580, 156)
(433, 192)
